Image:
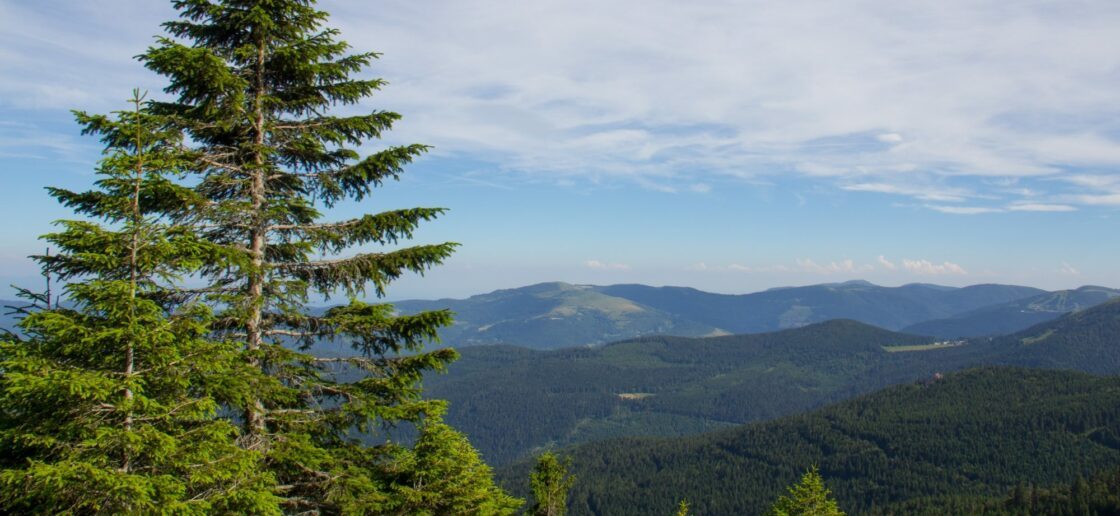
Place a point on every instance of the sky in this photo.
(730, 146)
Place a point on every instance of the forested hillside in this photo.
(1016, 315)
(976, 433)
(1088, 340)
(511, 401)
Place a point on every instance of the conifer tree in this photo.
(255, 81)
(444, 474)
(109, 406)
(809, 497)
(550, 482)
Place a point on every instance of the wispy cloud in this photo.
(843, 266)
(1031, 206)
(1068, 270)
(962, 210)
(918, 192)
(605, 266)
(926, 267)
(887, 264)
(674, 96)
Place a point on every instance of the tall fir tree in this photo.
(255, 81)
(808, 497)
(550, 482)
(109, 406)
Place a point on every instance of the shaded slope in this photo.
(1005, 318)
(510, 401)
(1087, 340)
(977, 432)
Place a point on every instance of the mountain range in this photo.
(1015, 315)
(514, 401)
(558, 315)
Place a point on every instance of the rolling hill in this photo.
(1087, 340)
(557, 315)
(974, 433)
(511, 401)
(775, 309)
(553, 315)
(1016, 315)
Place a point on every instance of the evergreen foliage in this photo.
(1098, 494)
(109, 405)
(112, 405)
(550, 483)
(808, 497)
(443, 474)
(510, 400)
(977, 433)
(255, 82)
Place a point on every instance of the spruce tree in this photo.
(254, 83)
(809, 497)
(443, 474)
(109, 405)
(550, 483)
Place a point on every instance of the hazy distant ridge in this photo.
(555, 315)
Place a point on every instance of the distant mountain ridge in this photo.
(555, 315)
(512, 400)
(1001, 319)
(1086, 340)
(886, 307)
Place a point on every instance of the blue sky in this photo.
(726, 145)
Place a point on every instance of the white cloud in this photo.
(928, 193)
(887, 264)
(1068, 270)
(963, 210)
(1029, 206)
(698, 266)
(604, 266)
(927, 267)
(740, 268)
(1112, 199)
(844, 266)
(666, 94)
(700, 188)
